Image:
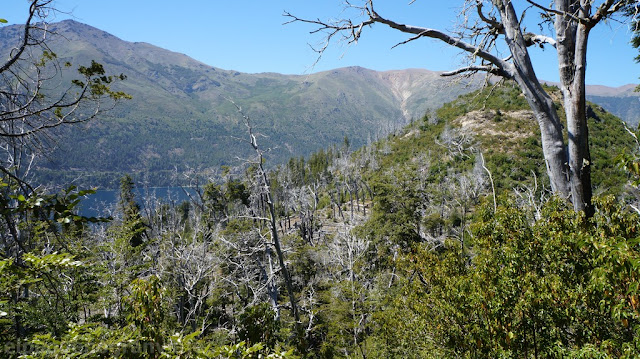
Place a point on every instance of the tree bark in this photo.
(541, 104)
(572, 38)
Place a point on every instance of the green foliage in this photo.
(506, 97)
(560, 287)
(98, 83)
(132, 222)
(396, 213)
(45, 281)
(608, 138)
(214, 200)
(241, 351)
(143, 335)
(40, 312)
(145, 312)
(236, 190)
(257, 324)
(630, 161)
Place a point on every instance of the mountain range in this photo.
(182, 118)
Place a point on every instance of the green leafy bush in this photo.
(563, 286)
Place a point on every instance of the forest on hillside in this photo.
(429, 243)
(505, 224)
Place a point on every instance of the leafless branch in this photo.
(352, 31)
(272, 221)
(558, 12)
(27, 40)
(607, 8)
(488, 69)
(492, 22)
(540, 40)
(493, 189)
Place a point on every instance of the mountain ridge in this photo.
(181, 119)
(594, 91)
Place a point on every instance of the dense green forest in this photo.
(441, 240)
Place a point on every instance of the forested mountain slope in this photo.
(438, 241)
(461, 239)
(181, 118)
(431, 175)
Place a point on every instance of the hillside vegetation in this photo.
(180, 119)
(440, 240)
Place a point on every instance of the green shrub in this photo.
(562, 286)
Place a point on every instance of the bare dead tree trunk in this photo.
(350, 190)
(272, 288)
(337, 203)
(522, 71)
(572, 38)
(272, 221)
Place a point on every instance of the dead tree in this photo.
(490, 26)
(263, 178)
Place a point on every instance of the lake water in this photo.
(104, 202)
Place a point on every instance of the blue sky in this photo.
(249, 35)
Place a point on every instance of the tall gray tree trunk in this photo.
(572, 39)
(553, 146)
(541, 104)
(273, 222)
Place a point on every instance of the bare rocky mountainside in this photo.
(180, 118)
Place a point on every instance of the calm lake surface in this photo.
(104, 202)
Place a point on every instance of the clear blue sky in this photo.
(249, 35)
